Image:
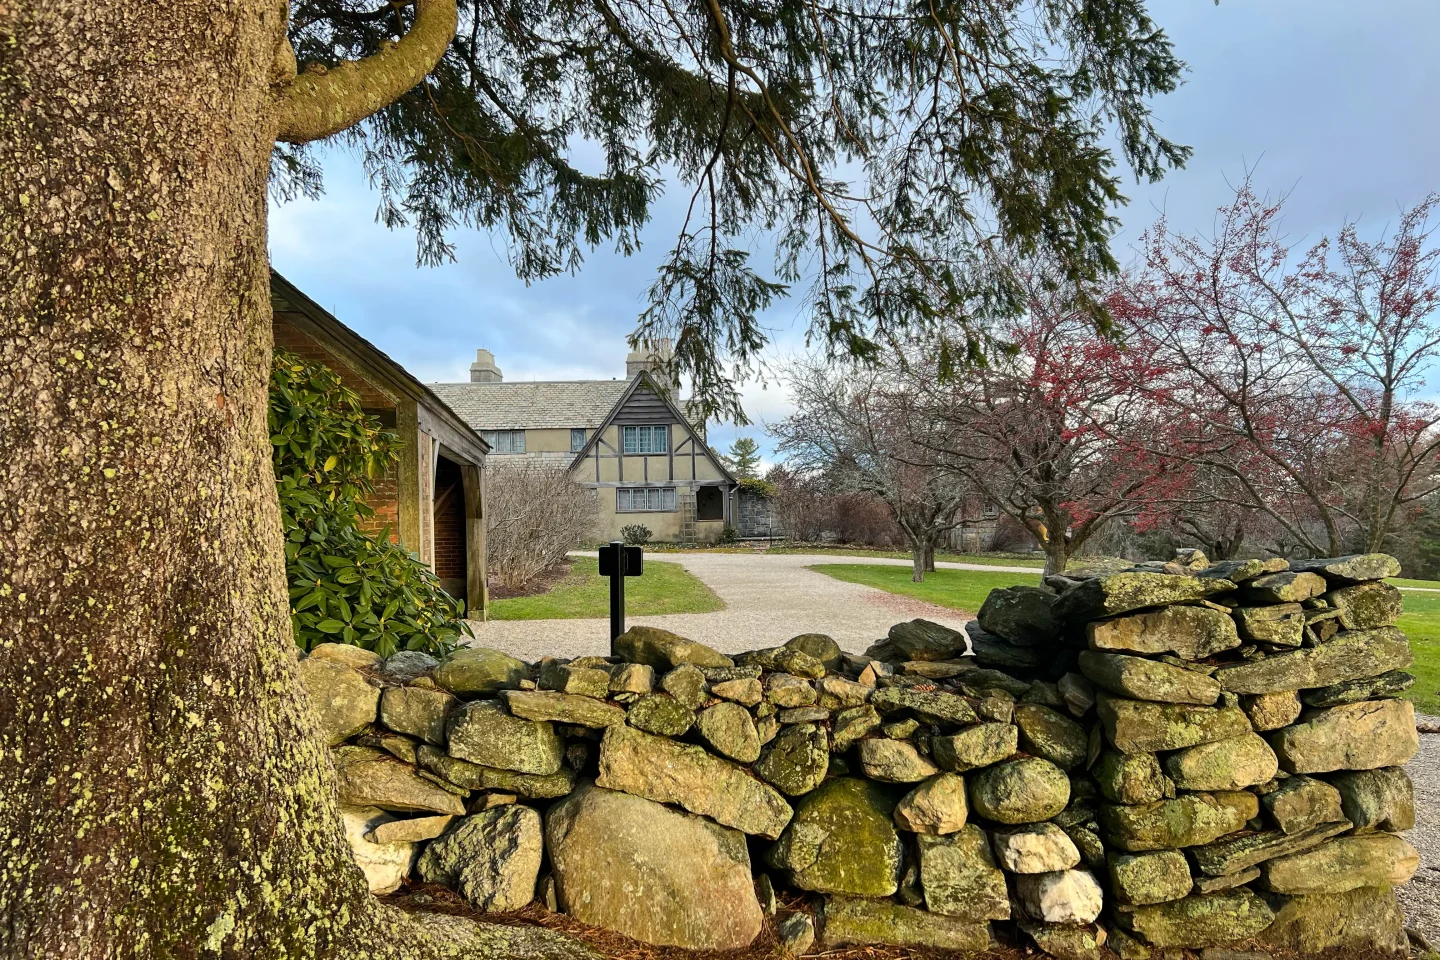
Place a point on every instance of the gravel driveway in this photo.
(1421, 897)
(769, 598)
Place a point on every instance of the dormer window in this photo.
(646, 438)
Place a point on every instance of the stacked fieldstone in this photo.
(1178, 757)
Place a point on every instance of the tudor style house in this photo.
(624, 439)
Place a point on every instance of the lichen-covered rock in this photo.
(661, 715)
(931, 705)
(417, 712)
(1382, 799)
(974, 747)
(1138, 726)
(925, 640)
(1230, 764)
(1065, 896)
(1271, 711)
(575, 679)
(1131, 777)
(1343, 864)
(1390, 684)
(385, 864)
(862, 922)
(664, 650)
(472, 671)
(796, 760)
(345, 654)
(1290, 586)
(345, 702)
(796, 934)
(1027, 790)
(819, 646)
(1021, 615)
(484, 732)
(669, 772)
(1282, 624)
(1364, 606)
(837, 693)
(1300, 803)
(636, 679)
(1146, 878)
(664, 877)
(1362, 920)
(1142, 679)
(492, 858)
(1122, 592)
(687, 685)
(1199, 921)
(1191, 633)
(1035, 848)
(842, 840)
(1186, 821)
(1356, 736)
(745, 691)
(992, 651)
(369, 778)
(1066, 942)
(414, 830)
(935, 807)
(578, 710)
(1351, 569)
(850, 725)
(1352, 655)
(730, 732)
(407, 666)
(894, 761)
(1050, 734)
(472, 776)
(959, 876)
(1077, 692)
(788, 690)
(1234, 854)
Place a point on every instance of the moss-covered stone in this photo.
(1390, 684)
(484, 732)
(1199, 921)
(687, 685)
(937, 806)
(664, 650)
(472, 776)
(1234, 854)
(573, 678)
(1186, 821)
(345, 702)
(1282, 624)
(1020, 615)
(960, 878)
(369, 778)
(730, 732)
(661, 715)
(1271, 711)
(416, 712)
(1352, 655)
(933, 706)
(1137, 726)
(1131, 777)
(1066, 942)
(1290, 586)
(863, 922)
(837, 693)
(1382, 799)
(1353, 568)
(1035, 848)
(1122, 592)
(1364, 606)
(1027, 790)
(842, 840)
(1231, 764)
(1146, 878)
(1356, 736)
(975, 747)
(474, 671)
(1362, 920)
(894, 761)
(1300, 803)
(1343, 864)
(788, 690)
(1047, 733)
(925, 640)
(1142, 679)
(823, 648)
(850, 725)
(796, 761)
(579, 710)
(1191, 633)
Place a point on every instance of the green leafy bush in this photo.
(728, 535)
(346, 586)
(636, 534)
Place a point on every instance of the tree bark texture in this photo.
(162, 792)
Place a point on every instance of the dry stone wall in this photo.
(1176, 756)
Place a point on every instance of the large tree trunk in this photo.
(162, 793)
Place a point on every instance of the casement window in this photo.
(505, 441)
(577, 439)
(644, 499)
(646, 439)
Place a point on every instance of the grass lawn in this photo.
(957, 589)
(1405, 582)
(1421, 623)
(663, 588)
(988, 559)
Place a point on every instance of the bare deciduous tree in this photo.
(535, 513)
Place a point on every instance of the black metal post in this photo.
(617, 589)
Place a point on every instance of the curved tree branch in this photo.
(315, 104)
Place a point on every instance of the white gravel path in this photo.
(1421, 897)
(769, 598)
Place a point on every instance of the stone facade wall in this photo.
(1140, 764)
(755, 516)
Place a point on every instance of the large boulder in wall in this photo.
(648, 871)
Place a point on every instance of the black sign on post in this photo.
(617, 562)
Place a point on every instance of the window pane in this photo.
(577, 440)
(622, 500)
(669, 499)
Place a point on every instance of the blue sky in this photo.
(1331, 100)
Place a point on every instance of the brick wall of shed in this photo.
(449, 522)
(385, 501)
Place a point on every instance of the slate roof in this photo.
(532, 405)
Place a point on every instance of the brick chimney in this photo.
(483, 370)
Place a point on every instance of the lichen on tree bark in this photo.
(162, 792)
